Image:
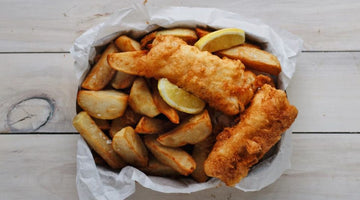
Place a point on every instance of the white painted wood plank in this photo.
(38, 167)
(47, 77)
(324, 166)
(326, 91)
(52, 26)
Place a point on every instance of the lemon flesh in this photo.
(178, 98)
(221, 39)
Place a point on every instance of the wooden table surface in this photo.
(38, 152)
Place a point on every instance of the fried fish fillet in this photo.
(223, 83)
(260, 127)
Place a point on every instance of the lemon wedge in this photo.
(221, 39)
(178, 98)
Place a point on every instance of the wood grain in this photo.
(324, 166)
(38, 166)
(53, 26)
(47, 82)
(325, 89)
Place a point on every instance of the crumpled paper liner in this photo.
(94, 182)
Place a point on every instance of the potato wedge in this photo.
(251, 45)
(200, 153)
(188, 35)
(130, 147)
(124, 43)
(191, 131)
(156, 168)
(97, 140)
(176, 158)
(164, 108)
(130, 58)
(201, 32)
(102, 124)
(140, 99)
(116, 125)
(101, 74)
(254, 58)
(148, 125)
(122, 80)
(130, 118)
(105, 104)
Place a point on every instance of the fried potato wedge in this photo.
(102, 124)
(164, 108)
(251, 45)
(200, 153)
(130, 147)
(101, 74)
(97, 140)
(122, 80)
(191, 131)
(254, 58)
(140, 99)
(130, 58)
(201, 32)
(156, 168)
(148, 125)
(118, 124)
(130, 118)
(176, 158)
(188, 35)
(124, 43)
(105, 104)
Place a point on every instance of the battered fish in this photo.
(260, 127)
(223, 83)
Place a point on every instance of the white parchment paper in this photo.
(95, 182)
